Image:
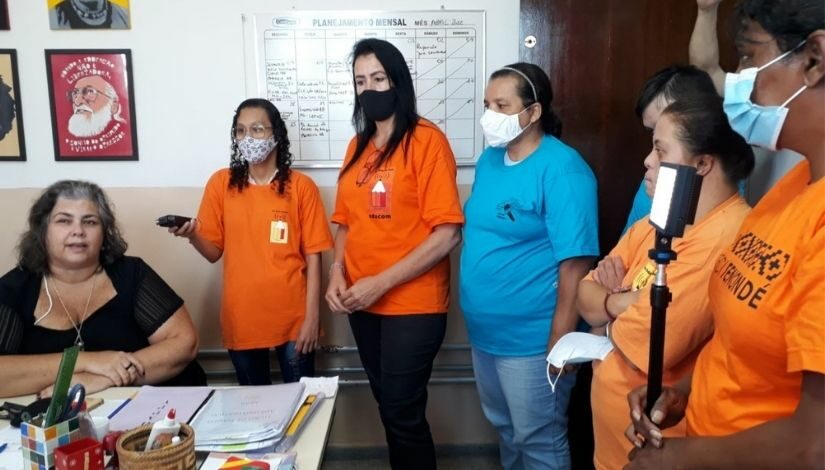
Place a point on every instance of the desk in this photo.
(309, 447)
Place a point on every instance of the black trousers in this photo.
(397, 353)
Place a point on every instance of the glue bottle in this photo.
(163, 431)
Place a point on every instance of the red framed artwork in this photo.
(92, 100)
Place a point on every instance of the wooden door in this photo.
(598, 54)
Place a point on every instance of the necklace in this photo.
(86, 12)
(78, 339)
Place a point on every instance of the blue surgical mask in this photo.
(758, 125)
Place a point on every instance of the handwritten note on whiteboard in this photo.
(300, 61)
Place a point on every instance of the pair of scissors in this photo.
(76, 397)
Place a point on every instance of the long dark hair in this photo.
(239, 168)
(703, 128)
(550, 122)
(33, 255)
(406, 115)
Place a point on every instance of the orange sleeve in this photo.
(689, 322)
(339, 214)
(315, 236)
(804, 320)
(622, 250)
(436, 178)
(210, 214)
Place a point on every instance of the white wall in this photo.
(189, 75)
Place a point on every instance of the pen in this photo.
(120, 407)
(3, 446)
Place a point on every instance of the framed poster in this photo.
(88, 14)
(12, 143)
(92, 104)
(4, 15)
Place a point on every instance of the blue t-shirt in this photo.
(640, 209)
(521, 222)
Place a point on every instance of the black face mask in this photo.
(378, 105)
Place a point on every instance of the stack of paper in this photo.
(246, 418)
(153, 403)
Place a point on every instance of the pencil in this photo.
(120, 407)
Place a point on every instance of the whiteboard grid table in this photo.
(301, 62)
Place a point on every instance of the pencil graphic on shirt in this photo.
(379, 196)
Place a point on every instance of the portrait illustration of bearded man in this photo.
(94, 105)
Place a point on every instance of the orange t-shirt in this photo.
(689, 322)
(393, 210)
(265, 238)
(767, 294)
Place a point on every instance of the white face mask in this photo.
(254, 150)
(500, 129)
(575, 348)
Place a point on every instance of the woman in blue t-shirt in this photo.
(530, 236)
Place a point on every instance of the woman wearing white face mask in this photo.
(270, 223)
(755, 398)
(531, 234)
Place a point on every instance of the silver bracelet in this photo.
(338, 265)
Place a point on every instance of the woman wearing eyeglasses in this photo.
(398, 216)
(269, 224)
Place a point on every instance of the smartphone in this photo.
(172, 220)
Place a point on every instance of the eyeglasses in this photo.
(369, 166)
(89, 93)
(256, 132)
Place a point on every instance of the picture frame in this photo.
(92, 97)
(5, 24)
(12, 138)
(88, 14)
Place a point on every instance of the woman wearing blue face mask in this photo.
(531, 234)
(269, 224)
(755, 398)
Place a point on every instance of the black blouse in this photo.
(142, 303)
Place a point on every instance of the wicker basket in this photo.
(180, 456)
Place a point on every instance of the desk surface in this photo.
(309, 447)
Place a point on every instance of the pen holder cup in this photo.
(38, 443)
(180, 456)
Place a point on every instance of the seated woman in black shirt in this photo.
(73, 285)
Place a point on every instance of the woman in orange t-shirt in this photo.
(696, 133)
(398, 216)
(268, 223)
(756, 398)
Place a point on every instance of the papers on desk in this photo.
(152, 403)
(246, 418)
(314, 385)
(11, 458)
(219, 461)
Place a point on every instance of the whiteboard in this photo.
(300, 60)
